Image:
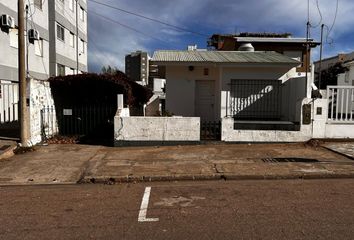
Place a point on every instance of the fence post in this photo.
(120, 101)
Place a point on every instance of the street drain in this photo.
(287, 160)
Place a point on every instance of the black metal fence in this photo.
(96, 119)
(210, 130)
(255, 99)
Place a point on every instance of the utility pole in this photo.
(320, 65)
(307, 65)
(22, 76)
(77, 37)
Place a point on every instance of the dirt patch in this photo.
(64, 140)
(22, 150)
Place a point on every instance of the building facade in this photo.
(68, 33)
(337, 64)
(54, 50)
(38, 50)
(137, 67)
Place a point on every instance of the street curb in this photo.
(170, 178)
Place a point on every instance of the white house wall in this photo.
(180, 89)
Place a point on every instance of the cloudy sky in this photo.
(110, 41)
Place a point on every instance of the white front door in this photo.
(205, 100)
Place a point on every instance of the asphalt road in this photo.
(300, 209)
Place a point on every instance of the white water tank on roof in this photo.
(246, 47)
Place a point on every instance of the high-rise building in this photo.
(51, 38)
(137, 67)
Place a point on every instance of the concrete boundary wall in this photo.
(229, 134)
(322, 129)
(339, 131)
(157, 130)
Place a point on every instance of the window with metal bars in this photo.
(255, 99)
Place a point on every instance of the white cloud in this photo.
(223, 16)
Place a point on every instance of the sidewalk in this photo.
(6, 148)
(61, 164)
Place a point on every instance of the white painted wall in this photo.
(229, 134)
(40, 97)
(181, 84)
(180, 89)
(340, 131)
(159, 129)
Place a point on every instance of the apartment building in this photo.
(137, 67)
(67, 20)
(53, 48)
(38, 49)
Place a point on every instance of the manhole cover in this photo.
(287, 160)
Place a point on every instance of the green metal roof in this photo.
(171, 56)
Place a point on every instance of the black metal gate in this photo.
(252, 99)
(210, 130)
(91, 119)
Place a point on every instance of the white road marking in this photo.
(144, 207)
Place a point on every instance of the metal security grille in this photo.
(210, 130)
(255, 99)
(8, 102)
(85, 119)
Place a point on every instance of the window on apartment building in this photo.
(38, 47)
(13, 38)
(60, 32)
(38, 4)
(72, 40)
(71, 5)
(82, 46)
(346, 78)
(60, 70)
(82, 14)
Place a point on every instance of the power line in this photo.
(128, 27)
(151, 19)
(335, 18)
(330, 40)
(320, 13)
